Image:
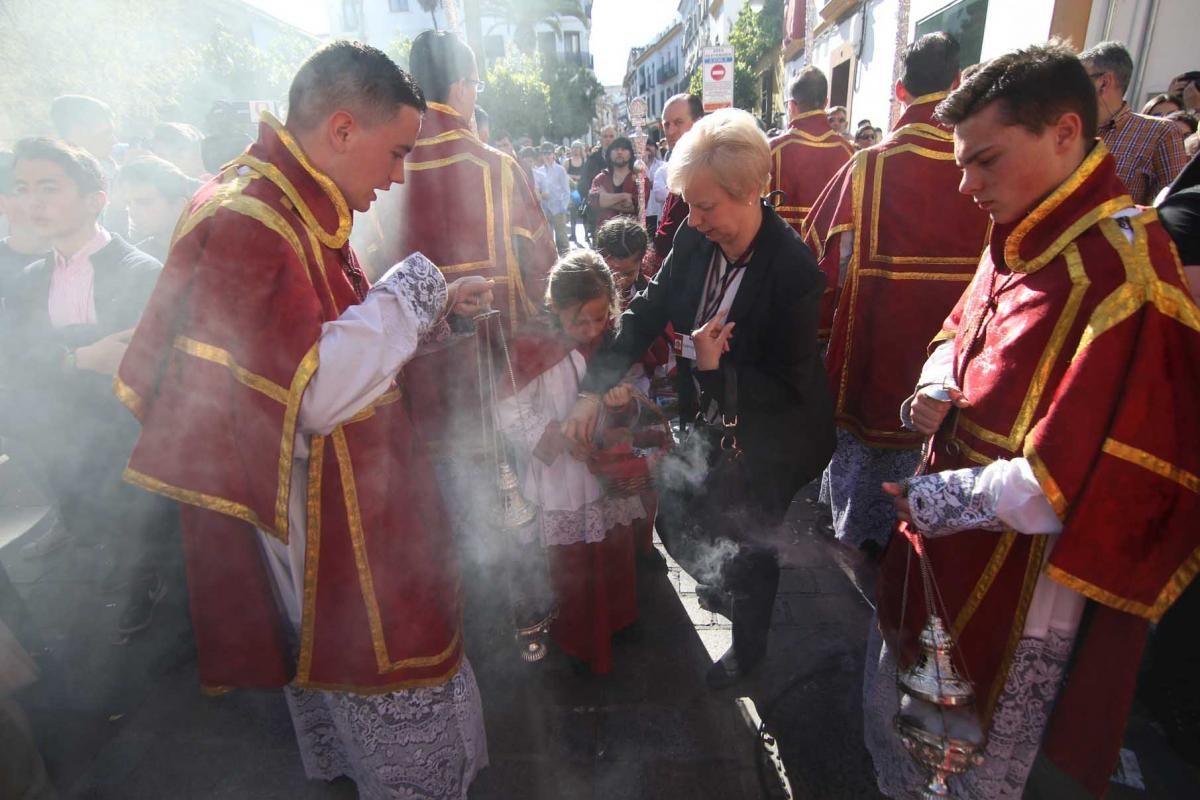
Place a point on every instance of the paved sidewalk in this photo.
(129, 722)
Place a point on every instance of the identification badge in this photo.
(683, 346)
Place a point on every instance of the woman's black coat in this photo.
(785, 411)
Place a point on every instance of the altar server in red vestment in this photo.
(467, 206)
(265, 375)
(1059, 506)
(470, 209)
(587, 531)
(893, 231)
(806, 156)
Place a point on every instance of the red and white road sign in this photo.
(718, 77)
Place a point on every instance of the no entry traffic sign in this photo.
(718, 77)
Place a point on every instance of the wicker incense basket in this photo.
(628, 444)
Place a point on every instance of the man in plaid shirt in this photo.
(1149, 151)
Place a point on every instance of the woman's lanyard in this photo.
(718, 284)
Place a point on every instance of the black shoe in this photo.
(139, 612)
(652, 561)
(713, 599)
(724, 672)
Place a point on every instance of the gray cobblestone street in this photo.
(129, 721)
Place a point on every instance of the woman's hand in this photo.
(618, 397)
(470, 296)
(580, 424)
(712, 340)
(928, 414)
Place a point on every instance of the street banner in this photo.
(717, 63)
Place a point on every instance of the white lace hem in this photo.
(591, 522)
(417, 743)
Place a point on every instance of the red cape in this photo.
(470, 209)
(803, 160)
(909, 266)
(215, 372)
(1099, 346)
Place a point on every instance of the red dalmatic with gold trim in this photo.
(917, 242)
(470, 209)
(1079, 349)
(803, 159)
(215, 373)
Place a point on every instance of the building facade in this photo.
(386, 24)
(857, 43)
(656, 72)
(705, 23)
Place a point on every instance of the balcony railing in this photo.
(576, 59)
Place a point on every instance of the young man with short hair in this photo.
(1148, 150)
(69, 317)
(1057, 510)
(155, 193)
(265, 376)
(809, 153)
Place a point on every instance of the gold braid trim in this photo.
(129, 398)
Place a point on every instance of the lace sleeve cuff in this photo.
(421, 284)
(947, 502)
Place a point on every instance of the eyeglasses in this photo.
(479, 85)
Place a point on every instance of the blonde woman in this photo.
(745, 289)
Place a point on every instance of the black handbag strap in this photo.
(729, 406)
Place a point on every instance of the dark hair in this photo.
(71, 110)
(501, 136)
(1111, 57)
(580, 277)
(622, 237)
(353, 76)
(930, 64)
(1033, 86)
(176, 140)
(1186, 117)
(439, 59)
(83, 170)
(694, 103)
(810, 89)
(1157, 100)
(619, 142)
(164, 176)
(1191, 76)
(546, 147)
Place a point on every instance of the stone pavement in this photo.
(128, 721)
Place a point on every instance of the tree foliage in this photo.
(517, 99)
(166, 60)
(753, 37)
(541, 98)
(573, 95)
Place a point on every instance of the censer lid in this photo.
(933, 676)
